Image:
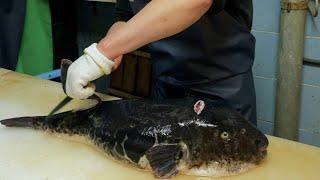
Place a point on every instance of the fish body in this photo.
(186, 135)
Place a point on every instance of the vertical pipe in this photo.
(292, 31)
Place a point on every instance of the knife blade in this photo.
(61, 104)
(64, 69)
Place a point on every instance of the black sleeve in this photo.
(123, 11)
(217, 6)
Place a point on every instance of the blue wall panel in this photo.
(266, 54)
(266, 31)
(265, 126)
(313, 26)
(310, 105)
(265, 15)
(266, 95)
(312, 47)
(309, 138)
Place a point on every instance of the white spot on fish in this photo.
(144, 163)
(166, 130)
(197, 122)
(153, 131)
(203, 124)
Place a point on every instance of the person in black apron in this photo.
(212, 58)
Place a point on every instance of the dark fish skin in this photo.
(165, 134)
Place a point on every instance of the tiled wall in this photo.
(266, 31)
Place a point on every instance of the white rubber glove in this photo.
(90, 66)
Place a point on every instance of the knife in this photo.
(64, 69)
(65, 63)
(61, 104)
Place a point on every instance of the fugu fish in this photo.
(164, 138)
(188, 136)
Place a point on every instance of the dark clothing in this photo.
(211, 58)
(12, 16)
(241, 10)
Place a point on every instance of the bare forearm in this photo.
(115, 27)
(158, 20)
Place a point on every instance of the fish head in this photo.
(235, 138)
(225, 140)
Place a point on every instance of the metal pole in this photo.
(292, 31)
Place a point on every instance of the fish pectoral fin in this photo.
(164, 159)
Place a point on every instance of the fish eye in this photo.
(243, 131)
(224, 135)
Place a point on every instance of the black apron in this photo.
(212, 58)
(12, 16)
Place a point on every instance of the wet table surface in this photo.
(30, 154)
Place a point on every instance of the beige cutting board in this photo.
(29, 154)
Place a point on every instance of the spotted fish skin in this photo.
(161, 136)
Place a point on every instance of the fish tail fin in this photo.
(32, 122)
(67, 122)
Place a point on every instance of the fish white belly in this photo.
(214, 169)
